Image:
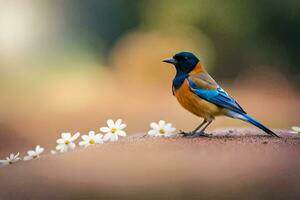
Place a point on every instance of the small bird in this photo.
(199, 93)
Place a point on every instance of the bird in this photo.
(201, 95)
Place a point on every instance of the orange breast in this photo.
(195, 104)
(197, 69)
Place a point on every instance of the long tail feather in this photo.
(251, 120)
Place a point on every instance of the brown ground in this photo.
(240, 165)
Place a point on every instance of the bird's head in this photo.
(183, 61)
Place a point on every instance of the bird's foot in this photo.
(194, 134)
(202, 134)
(185, 134)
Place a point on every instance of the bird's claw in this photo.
(185, 134)
(204, 135)
(194, 134)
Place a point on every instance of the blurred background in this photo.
(71, 65)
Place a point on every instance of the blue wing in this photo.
(217, 96)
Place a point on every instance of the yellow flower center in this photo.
(67, 142)
(34, 157)
(113, 130)
(162, 131)
(92, 141)
(10, 162)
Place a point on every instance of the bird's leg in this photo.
(184, 134)
(201, 132)
(198, 127)
(194, 131)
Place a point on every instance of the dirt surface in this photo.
(231, 164)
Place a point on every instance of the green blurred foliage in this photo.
(242, 33)
(245, 33)
(100, 23)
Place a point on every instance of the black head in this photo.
(183, 61)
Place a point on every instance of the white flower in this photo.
(295, 130)
(53, 152)
(161, 129)
(66, 142)
(11, 159)
(91, 139)
(114, 130)
(33, 154)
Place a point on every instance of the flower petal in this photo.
(107, 136)
(118, 122)
(161, 123)
(168, 125)
(82, 143)
(121, 133)
(64, 149)
(27, 158)
(16, 156)
(99, 141)
(170, 129)
(31, 152)
(154, 125)
(98, 137)
(293, 132)
(37, 147)
(296, 128)
(11, 156)
(66, 135)
(60, 146)
(3, 162)
(114, 137)
(169, 134)
(85, 137)
(72, 145)
(122, 126)
(40, 150)
(105, 129)
(60, 141)
(74, 137)
(92, 133)
(110, 123)
(153, 132)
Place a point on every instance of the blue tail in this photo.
(249, 119)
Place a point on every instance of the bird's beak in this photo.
(170, 60)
